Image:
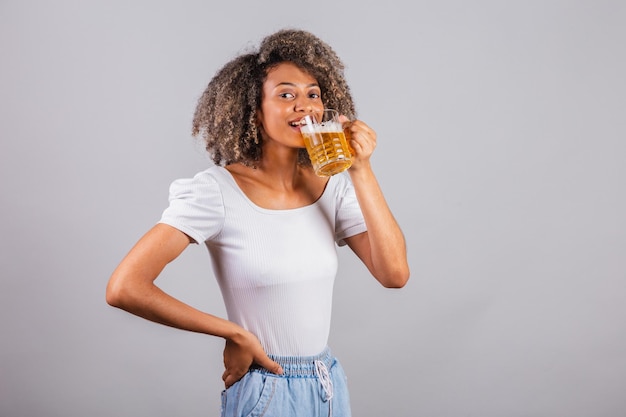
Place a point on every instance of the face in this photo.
(289, 94)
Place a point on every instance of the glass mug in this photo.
(326, 143)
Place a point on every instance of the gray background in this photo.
(502, 150)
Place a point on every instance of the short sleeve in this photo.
(196, 207)
(349, 218)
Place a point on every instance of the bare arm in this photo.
(382, 248)
(131, 288)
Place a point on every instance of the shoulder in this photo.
(339, 184)
(207, 178)
(204, 186)
(196, 205)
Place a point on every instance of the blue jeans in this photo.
(312, 386)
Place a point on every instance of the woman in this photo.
(272, 228)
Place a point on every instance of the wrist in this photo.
(363, 169)
(232, 331)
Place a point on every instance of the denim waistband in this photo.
(302, 366)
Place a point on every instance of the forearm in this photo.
(150, 302)
(131, 286)
(387, 246)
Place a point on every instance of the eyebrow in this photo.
(295, 85)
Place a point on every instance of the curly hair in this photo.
(225, 116)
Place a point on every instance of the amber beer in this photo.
(326, 144)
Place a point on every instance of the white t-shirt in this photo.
(275, 268)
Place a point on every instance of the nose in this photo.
(303, 105)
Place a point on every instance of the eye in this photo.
(286, 95)
(314, 95)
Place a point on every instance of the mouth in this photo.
(297, 123)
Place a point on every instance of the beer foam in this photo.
(325, 127)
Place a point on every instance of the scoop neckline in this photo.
(236, 186)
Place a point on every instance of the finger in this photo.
(360, 128)
(346, 124)
(272, 366)
(229, 381)
(231, 378)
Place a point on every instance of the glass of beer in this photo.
(326, 143)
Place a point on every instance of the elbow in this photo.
(112, 297)
(396, 279)
(396, 283)
(116, 294)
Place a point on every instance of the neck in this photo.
(280, 166)
(278, 182)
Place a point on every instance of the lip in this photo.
(296, 124)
